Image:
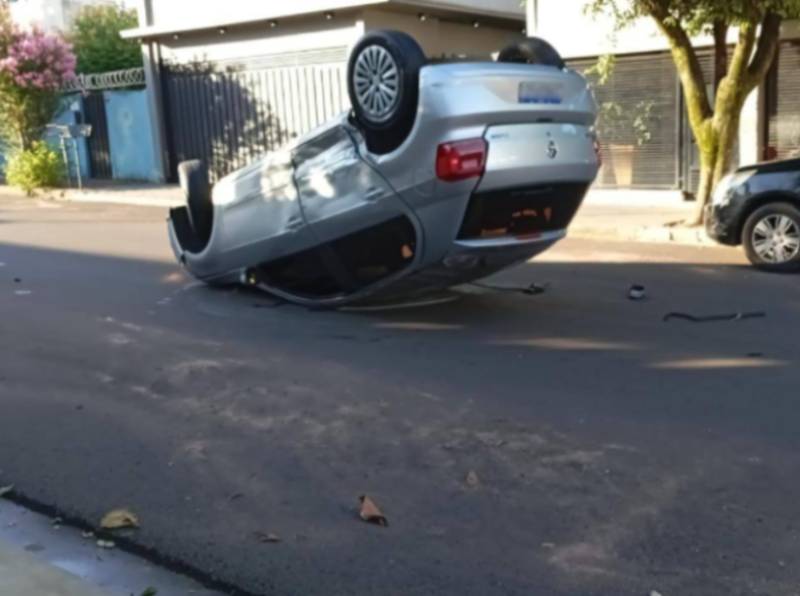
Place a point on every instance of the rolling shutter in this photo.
(639, 126)
(783, 104)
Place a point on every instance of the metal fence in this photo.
(115, 79)
(228, 117)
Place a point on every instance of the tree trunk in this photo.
(717, 153)
(707, 167)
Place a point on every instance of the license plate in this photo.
(536, 92)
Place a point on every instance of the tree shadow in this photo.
(222, 115)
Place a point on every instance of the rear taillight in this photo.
(461, 160)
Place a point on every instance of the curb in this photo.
(647, 234)
(165, 197)
(115, 199)
(21, 574)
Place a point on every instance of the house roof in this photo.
(267, 11)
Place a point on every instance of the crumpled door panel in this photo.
(340, 193)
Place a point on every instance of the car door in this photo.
(365, 232)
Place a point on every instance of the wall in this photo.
(191, 13)
(442, 37)
(130, 136)
(577, 35)
(244, 43)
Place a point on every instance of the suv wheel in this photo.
(532, 50)
(771, 238)
(383, 84)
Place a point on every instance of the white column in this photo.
(153, 85)
(749, 134)
(532, 17)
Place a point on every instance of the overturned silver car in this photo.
(442, 173)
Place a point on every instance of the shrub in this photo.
(37, 167)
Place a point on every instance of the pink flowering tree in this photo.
(34, 68)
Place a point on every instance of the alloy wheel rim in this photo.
(377, 83)
(776, 239)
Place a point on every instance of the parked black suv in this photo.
(759, 207)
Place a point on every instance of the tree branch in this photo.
(766, 51)
(691, 73)
(743, 52)
(720, 51)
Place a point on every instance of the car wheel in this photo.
(532, 50)
(193, 178)
(771, 238)
(383, 84)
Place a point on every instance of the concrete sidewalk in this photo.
(622, 216)
(23, 575)
(631, 223)
(121, 193)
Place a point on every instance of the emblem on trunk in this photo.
(552, 150)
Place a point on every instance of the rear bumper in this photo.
(521, 212)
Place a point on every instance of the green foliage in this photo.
(37, 167)
(97, 43)
(695, 16)
(26, 113)
(603, 69)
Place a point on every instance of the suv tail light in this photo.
(461, 160)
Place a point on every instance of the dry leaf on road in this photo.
(371, 513)
(472, 479)
(118, 519)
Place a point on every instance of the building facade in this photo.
(647, 140)
(50, 15)
(227, 87)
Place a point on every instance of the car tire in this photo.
(193, 178)
(532, 50)
(771, 238)
(383, 84)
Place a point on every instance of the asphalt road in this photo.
(615, 453)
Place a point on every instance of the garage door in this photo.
(228, 114)
(783, 104)
(640, 125)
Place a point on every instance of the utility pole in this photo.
(532, 17)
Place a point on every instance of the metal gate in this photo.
(228, 117)
(94, 107)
